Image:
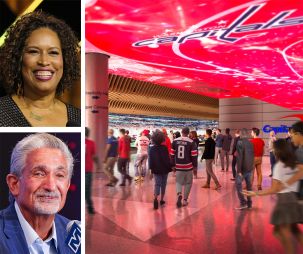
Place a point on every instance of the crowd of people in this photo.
(161, 152)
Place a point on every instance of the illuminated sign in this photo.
(282, 128)
(223, 34)
(222, 49)
(277, 129)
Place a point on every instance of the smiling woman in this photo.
(39, 60)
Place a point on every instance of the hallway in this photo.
(125, 221)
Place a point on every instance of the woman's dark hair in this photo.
(284, 152)
(158, 137)
(297, 127)
(194, 134)
(12, 50)
(177, 134)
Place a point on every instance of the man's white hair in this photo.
(36, 141)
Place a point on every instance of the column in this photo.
(96, 109)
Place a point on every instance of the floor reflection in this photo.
(125, 221)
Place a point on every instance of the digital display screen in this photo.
(221, 49)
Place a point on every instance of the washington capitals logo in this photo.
(282, 128)
(236, 27)
(299, 116)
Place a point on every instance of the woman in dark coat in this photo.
(159, 164)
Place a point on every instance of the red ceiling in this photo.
(217, 48)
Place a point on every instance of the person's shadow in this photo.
(125, 194)
(243, 232)
(160, 221)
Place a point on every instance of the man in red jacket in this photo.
(258, 144)
(124, 157)
(90, 158)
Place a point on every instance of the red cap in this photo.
(145, 132)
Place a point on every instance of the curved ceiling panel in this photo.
(129, 96)
(216, 48)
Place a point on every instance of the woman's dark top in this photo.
(11, 115)
(209, 152)
(197, 141)
(158, 160)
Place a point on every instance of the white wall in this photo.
(237, 113)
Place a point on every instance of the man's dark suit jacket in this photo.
(12, 239)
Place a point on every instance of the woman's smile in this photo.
(43, 75)
(42, 62)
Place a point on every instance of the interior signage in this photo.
(277, 129)
(236, 27)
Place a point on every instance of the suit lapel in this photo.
(15, 237)
(61, 236)
(13, 231)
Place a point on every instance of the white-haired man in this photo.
(40, 172)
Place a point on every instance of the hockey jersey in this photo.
(142, 143)
(184, 154)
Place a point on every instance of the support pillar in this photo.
(96, 109)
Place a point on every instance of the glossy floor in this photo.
(125, 221)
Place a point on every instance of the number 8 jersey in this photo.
(184, 154)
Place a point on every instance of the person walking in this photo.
(130, 142)
(184, 155)
(194, 136)
(208, 155)
(90, 158)
(258, 144)
(245, 166)
(227, 138)
(124, 157)
(234, 154)
(142, 144)
(290, 140)
(287, 213)
(219, 143)
(111, 154)
(271, 140)
(296, 134)
(159, 164)
(288, 136)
